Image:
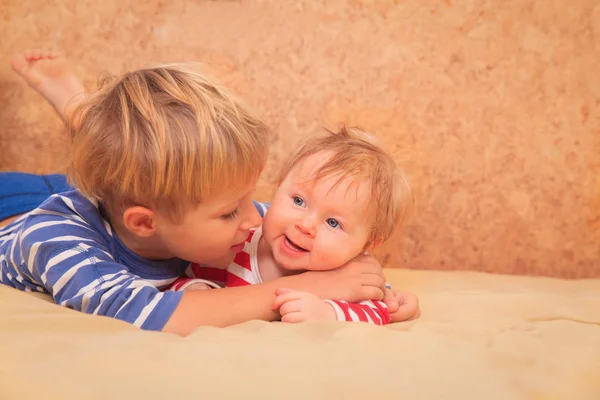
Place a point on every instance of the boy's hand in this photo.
(358, 280)
(295, 306)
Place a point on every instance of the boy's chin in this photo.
(222, 262)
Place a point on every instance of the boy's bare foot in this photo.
(51, 76)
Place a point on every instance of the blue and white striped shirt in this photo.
(67, 248)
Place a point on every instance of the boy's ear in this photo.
(372, 245)
(140, 221)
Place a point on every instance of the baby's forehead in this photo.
(312, 162)
(335, 191)
(318, 170)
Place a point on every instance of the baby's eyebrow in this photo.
(343, 217)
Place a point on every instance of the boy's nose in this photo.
(253, 218)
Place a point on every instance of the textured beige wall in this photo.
(496, 103)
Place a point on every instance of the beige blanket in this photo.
(480, 337)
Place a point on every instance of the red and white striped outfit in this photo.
(244, 271)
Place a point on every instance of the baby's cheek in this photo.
(326, 261)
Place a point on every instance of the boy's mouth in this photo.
(293, 246)
(237, 248)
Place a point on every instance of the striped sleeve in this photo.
(261, 207)
(373, 312)
(85, 277)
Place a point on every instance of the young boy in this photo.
(165, 162)
(339, 196)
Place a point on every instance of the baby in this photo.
(339, 196)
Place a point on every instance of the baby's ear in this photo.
(371, 245)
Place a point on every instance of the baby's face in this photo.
(317, 226)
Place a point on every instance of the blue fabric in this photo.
(22, 192)
(68, 250)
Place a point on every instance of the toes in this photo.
(22, 61)
(34, 54)
(19, 63)
(31, 54)
(51, 54)
(47, 54)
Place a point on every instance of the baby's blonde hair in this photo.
(166, 138)
(353, 154)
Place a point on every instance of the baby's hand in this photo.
(295, 306)
(197, 286)
(408, 307)
(184, 284)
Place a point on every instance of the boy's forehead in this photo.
(229, 194)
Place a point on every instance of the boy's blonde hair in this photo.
(354, 155)
(165, 138)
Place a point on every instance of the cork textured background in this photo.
(493, 106)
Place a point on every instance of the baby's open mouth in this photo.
(293, 245)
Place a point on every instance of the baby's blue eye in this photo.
(332, 223)
(298, 201)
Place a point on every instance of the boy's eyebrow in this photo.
(234, 202)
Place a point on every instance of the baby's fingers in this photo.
(292, 306)
(293, 317)
(285, 296)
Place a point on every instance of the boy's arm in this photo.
(224, 307)
(84, 277)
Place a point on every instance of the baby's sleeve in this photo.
(373, 312)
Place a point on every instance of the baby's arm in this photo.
(295, 306)
(373, 312)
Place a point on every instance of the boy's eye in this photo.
(298, 201)
(332, 223)
(231, 215)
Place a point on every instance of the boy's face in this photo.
(317, 226)
(215, 231)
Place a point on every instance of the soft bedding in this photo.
(480, 336)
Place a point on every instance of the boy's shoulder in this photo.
(68, 203)
(68, 211)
